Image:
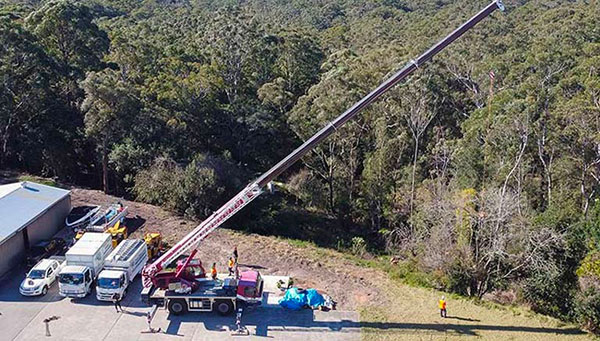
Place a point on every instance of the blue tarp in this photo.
(314, 299)
(295, 300)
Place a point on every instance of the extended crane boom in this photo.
(254, 189)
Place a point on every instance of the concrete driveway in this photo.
(88, 319)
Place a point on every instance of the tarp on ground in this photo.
(296, 300)
(293, 299)
(314, 299)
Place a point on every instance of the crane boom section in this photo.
(411, 66)
(204, 229)
(254, 189)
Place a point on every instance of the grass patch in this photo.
(403, 272)
(40, 180)
(300, 243)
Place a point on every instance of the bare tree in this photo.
(463, 72)
(545, 155)
(418, 110)
(505, 244)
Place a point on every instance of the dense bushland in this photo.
(481, 171)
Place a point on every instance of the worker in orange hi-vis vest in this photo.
(443, 307)
(213, 271)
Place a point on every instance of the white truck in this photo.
(120, 268)
(85, 259)
(41, 276)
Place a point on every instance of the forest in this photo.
(480, 173)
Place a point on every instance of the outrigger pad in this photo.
(240, 332)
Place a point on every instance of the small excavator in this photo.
(155, 245)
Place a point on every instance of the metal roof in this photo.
(23, 202)
(73, 269)
(89, 244)
(111, 273)
(125, 250)
(43, 264)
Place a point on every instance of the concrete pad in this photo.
(88, 319)
(17, 310)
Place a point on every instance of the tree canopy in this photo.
(482, 170)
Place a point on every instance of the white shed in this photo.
(29, 212)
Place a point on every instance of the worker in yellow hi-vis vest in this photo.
(230, 265)
(443, 306)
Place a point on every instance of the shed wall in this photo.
(12, 252)
(50, 222)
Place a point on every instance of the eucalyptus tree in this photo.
(68, 33)
(110, 106)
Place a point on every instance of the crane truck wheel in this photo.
(223, 307)
(177, 307)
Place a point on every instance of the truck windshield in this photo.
(71, 278)
(108, 283)
(36, 274)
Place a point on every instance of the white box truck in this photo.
(120, 268)
(84, 261)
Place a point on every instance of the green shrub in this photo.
(587, 309)
(39, 180)
(191, 191)
(458, 279)
(590, 266)
(359, 246)
(550, 293)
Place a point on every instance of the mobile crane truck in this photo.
(185, 287)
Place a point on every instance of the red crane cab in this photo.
(250, 287)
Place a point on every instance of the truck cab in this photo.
(250, 287)
(111, 282)
(75, 281)
(121, 267)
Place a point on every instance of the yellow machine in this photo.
(118, 232)
(155, 244)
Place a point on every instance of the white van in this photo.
(84, 261)
(120, 268)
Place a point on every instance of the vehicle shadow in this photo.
(90, 299)
(132, 298)
(9, 289)
(175, 323)
(134, 223)
(134, 313)
(270, 319)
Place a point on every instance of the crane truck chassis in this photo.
(192, 293)
(221, 296)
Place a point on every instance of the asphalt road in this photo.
(88, 319)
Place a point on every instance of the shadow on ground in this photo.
(134, 223)
(463, 318)
(270, 319)
(463, 329)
